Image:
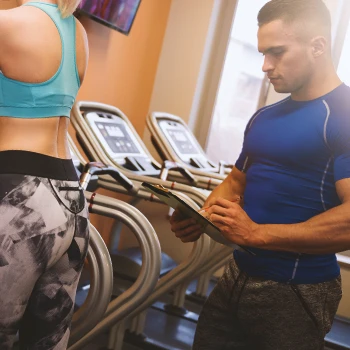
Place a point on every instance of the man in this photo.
(294, 173)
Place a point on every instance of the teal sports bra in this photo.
(54, 97)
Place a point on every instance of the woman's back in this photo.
(31, 52)
(44, 223)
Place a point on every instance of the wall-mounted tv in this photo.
(116, 14)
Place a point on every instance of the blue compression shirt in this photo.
(293, 153)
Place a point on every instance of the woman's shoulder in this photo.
(14, 14)
(14, 21)
(81, 30)
(9, 24)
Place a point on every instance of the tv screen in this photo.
(116, 14)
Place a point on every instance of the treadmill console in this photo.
(184, 145)
(117, 138)
(119, 142)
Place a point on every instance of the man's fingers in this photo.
(192, 237)
(220, 220)
(180, 225)
(177, 216)
(215, 209)
(187, 231)
(225, 203)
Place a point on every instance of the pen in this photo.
(203, 210)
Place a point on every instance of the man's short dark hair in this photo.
(313, 12)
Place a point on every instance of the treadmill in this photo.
(133, 295)
(118, 317)
(87, 118)
(106, 135)
(174, 141)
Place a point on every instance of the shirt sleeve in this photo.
(243, 161)
(338, 140)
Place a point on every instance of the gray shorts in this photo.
(251, 313)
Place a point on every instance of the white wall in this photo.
(181, 56)
(180, 60)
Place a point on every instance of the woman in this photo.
(43, 217)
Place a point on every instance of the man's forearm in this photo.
(326, 233)
(229, 189)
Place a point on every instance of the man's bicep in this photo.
(238, 177)
(343, 189)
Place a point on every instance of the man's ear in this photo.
(318, 46)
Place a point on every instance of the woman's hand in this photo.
(232, 220)
(187, 229)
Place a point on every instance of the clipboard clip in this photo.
(161, 187)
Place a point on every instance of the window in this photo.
(343, 67)
(240, 85)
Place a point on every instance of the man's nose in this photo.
(267, 66)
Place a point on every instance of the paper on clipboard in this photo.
(177, 203)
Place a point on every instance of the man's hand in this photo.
(185, 228)
(232, 220)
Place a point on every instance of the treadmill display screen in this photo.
(117, 138)
(182, 142)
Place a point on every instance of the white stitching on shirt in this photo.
(245, 164)
(329, 160)
(326, 122)
(322, 183)
(268, 107)
(295, 267)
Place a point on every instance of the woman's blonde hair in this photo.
(67, 7)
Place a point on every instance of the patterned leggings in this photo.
(43, 243)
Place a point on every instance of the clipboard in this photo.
(176, 202)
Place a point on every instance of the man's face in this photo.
(288, 58)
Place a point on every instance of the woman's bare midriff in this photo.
(42, 135)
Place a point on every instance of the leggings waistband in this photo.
(36, 164)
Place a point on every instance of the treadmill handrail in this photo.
(95, 306)
(186, 270)
(217, 252)
(98, 168)
(169, 165)
(193, 193)
(224, 166)
(148, 277)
